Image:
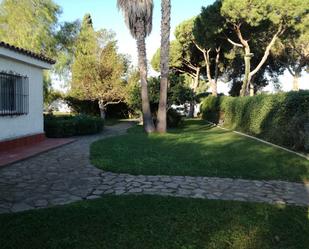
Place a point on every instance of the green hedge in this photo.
(67, 126)
(281, 118)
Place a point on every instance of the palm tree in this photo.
(164, 61)
(138, 17)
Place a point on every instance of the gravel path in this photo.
(65, 175)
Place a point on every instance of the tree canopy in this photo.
(98, 68)
(30, 24)
(259, 23)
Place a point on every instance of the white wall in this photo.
(32, 123)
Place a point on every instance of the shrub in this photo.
(67, 126)
(173, 119)
(87, 107)
(210, 109)
(279, 118)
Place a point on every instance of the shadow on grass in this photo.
(157, 223)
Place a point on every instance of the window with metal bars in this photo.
(14, 94)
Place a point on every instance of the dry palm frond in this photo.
(136, 11)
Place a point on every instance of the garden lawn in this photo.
(197, 149)
(134, 222)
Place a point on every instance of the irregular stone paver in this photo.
(65, 175)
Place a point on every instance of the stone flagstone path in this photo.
(65, 175)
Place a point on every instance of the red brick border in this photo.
(22, 141)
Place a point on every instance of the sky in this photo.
(105, 15)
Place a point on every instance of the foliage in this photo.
(208, 27)
(66, 38)
(133, 88)
(173, 118)
(33, 24)
(67, 126)
(184, 35)
(185, 57)
(97, 68)
(178, 92)
(280, 118)
(197, 149)
(137, 12)
(78, 106)
(210, 109)
(30, 24)
(292, 49)
(91, 108)
(174, 59)
(255, 12)
(257, 25)
(134, 93)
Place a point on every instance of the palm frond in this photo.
(136, 12)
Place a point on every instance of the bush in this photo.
(67, 126)
(210, 109)
(282, 118)
(87, 107)
(173, 119)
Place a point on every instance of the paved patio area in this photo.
(27, 151)
(65, 175)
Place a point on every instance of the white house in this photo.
(21, 95)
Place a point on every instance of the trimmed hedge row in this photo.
(281, 118)
(67, 126)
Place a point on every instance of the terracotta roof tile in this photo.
(27, 52)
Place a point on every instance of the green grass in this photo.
(197, 150)
(157, 223)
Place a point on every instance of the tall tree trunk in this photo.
(251, 90)
(244, 44)
(215, 86)
(247, 76)
(196, 81)
(213, 82)
(191, 109)
(102, 108)
(251, 86)
(208, 73)
(142, 64)
(296, 81)
(165, 45)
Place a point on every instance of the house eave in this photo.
(14, 55)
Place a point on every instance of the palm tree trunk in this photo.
(165, 45)
(142, 64)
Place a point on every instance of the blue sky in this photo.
(106, 15)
